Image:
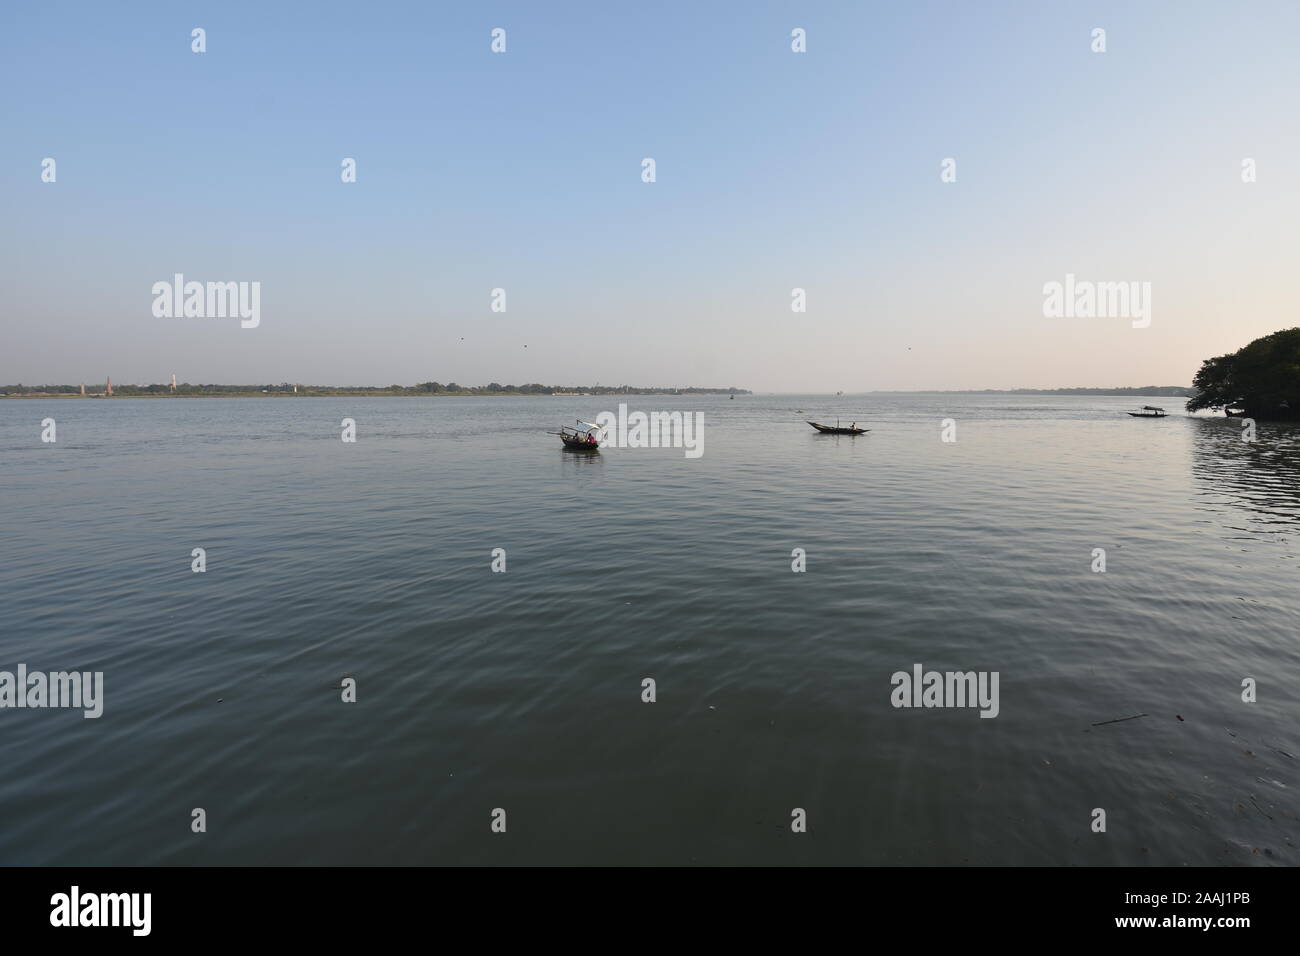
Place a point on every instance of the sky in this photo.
(522, 171)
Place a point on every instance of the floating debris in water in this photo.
(1117, 720)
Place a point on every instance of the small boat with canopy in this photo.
(1149, 411)
(583, 436)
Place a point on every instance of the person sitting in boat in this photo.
(591, 439)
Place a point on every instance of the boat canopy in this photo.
(590, 427)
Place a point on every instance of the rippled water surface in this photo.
(522, 690)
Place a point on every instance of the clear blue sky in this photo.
(775, 170)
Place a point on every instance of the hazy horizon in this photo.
(522, 170)
(93, 385)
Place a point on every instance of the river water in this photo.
(522, 691)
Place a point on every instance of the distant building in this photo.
(173, 381)
(110, 386)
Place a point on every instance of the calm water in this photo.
(522, 690)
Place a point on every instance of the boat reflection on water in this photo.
(578, 465)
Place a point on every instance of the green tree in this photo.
(1263, 378)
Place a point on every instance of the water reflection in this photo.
(1262, 477)
(574, 461)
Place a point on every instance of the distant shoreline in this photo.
(428, 390)
(228, 391)
(1170, 391)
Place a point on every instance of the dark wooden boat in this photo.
(1149, 411)
(837, 430)
(583, 438)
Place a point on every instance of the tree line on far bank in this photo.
(1260, 380)
(423, 388)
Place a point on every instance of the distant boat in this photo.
(837, 430)
(1231, 414)
(580, 438)
(1149, 411)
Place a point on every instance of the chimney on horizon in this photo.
(110, 386)
(173, 381)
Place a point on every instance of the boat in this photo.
(1149, 411)
(837, 430)
(583, 436)
(1231, 413)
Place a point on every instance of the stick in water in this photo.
(1118, 720)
